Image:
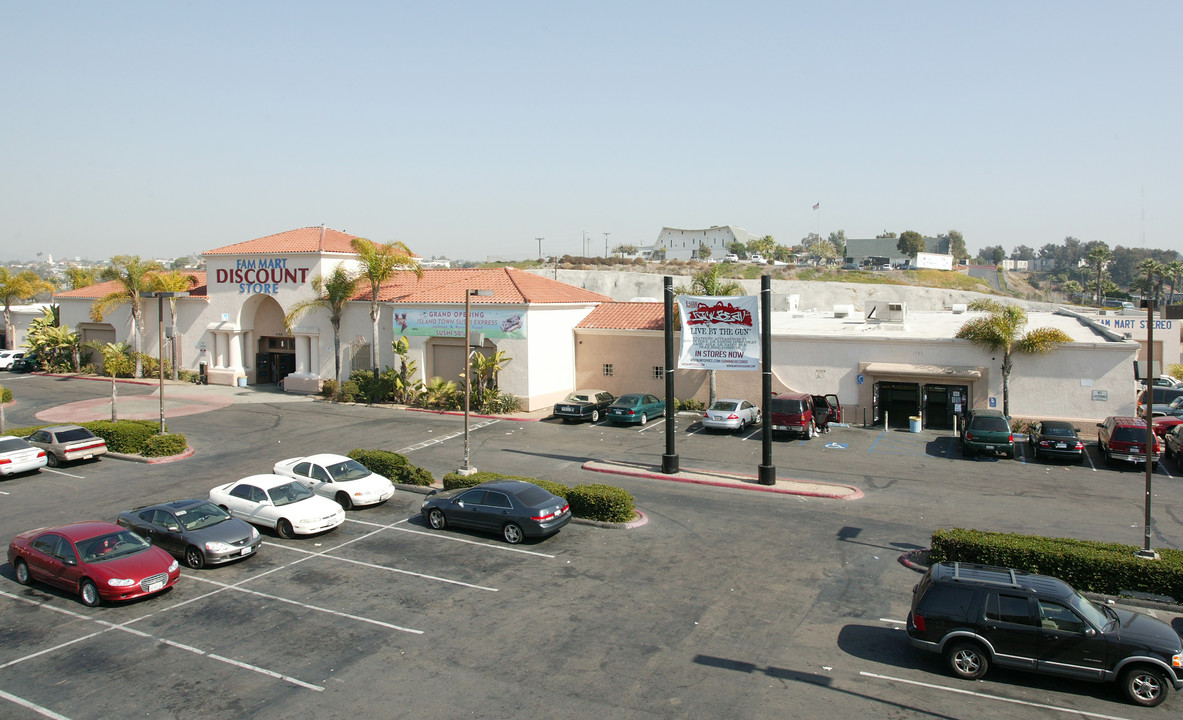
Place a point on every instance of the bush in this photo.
(348, 391)
(689, 404)
(165, 445)
(150, 366)
(455, 480)
(123, 436)
(329, 389)
(394, 466)
(1086, 565)
(602, 502)
(5, 395)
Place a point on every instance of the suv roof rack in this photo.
(983, 573)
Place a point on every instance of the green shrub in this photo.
(5, 395)
(455, 480)
(551, 487)
(123, 436)
(348, 392)
(690, 404)
(602, 502)
(329, 389)
(1085, 564)
(165, 445)
(24, 431)
(394, 466)
(150, 366)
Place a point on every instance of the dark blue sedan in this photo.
(513, 508)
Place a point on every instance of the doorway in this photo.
(899, 400)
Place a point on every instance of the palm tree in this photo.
(132, 274)
(708, 282)
(172, 281)
(1155, 274)
(379, 263)
(15, 288)
(1001, 330)
(332, 292)
(1098, 258)
(1071, 288)
(1174, 272)
(80, 277)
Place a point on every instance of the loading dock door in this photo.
(900, 401)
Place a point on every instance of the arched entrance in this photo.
(270, 349)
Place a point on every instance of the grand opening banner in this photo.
(720, 333)
(450, 323)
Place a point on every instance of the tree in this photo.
(704, 250)
(910, 243)
(332, 292)
(1154, 278)
(1098, 257)
(838, 240)
(379, 263)
(406, 388)
(624, 249)
(172, 281)
(1174, 273)
(708, 282)
(1072, 288)
(737, 248)
(956, 245)
(133, 275)
(16, 288)
(1022, 252)
(1001, 330)
(80, 277)
(886, 234)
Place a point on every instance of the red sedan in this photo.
(100, 561)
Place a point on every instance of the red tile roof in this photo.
(626, 316)
(309, 239)
(98, 290)
(509, 285)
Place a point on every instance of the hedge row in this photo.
(392, 465)
(1092, 566)
(605, 503)
(133, 437)
(5, 395)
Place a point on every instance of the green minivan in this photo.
(986, 431)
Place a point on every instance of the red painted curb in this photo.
(760, 488)
(151, 461)
(129, 381)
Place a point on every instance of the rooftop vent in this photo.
(887, 312)
(959, 308)
(841, 311)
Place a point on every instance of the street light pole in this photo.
(539, 247)
(468, 293)
(160, 296)
(606, 243)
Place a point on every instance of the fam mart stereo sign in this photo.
(719, 333)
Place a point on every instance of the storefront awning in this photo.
(946, 372)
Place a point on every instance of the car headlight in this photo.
(1177, 660)
(218, 547)
(254, 532)
(174, 566)
(120, 582)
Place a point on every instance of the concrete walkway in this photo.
(786, 486)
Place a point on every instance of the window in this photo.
(658, 372)
(1008, 609)
(318, 473)
(473, 497)
(241, 491)
(1053, 616)
(607, 369)
(497, 500)
(301, 469)
(360, 355)
(47, 544)
(947, 601)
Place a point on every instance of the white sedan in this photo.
(338, 478)
(278, 502)
(8, 357)
(17, 456)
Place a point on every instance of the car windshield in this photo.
(533, 495)
(74, 435)
(578, 397)
(110, 546)
(201, 516)
(722, 406)
(348, 470)
(288, 494)
(990, 424)
(1177, 403)
(11, 444)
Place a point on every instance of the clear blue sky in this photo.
(469, 129)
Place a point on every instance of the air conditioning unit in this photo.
(885, 312)
(841, 311)
(897, 312)
(959, 308)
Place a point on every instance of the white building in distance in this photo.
(679, 244)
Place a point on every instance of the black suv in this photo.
(974, 615)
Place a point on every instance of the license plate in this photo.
(153, 587)
(989, 447)
(87, 457)
(1061, 445)
(566, 408)
(246, 551)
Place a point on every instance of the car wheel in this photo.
(1144, 685)
(595, 415)
(512, 533)
(644, 418)
(344, 501)
(435, 517)
(52, 460)
(22, 572)
(759, 417)
(283, 528)
(194, 558)
(967, 661)
(89, 593)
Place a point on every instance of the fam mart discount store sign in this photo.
(231, 327)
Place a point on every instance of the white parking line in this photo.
(650, 426)
(59, 472)
(246, 666)
(389, 569)
(897, 622)
(999, 698)
(445, 438)
(447, 537)
(3, 493)
(32, 706)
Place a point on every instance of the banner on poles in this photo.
(446, 322)
(720, 333)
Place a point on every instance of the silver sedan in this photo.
(730, 414)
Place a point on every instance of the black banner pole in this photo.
(669, 461)
(767, 473)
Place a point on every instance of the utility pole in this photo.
(539, 247)
(585, 243)
(606, 243)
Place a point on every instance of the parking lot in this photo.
(726, 603)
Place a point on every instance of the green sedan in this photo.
(636, 408)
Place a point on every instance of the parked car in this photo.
(978, 615)
(730, 258)
(8, 357)
(100, 561)
(1055, 439)
(757, 259)
(849, 266)
(18, 456)
(986, 431)
(1164, 424)
(793, 412)
(338, 478)
(584, 405)
(1172, 409)
(1165, 381)
(195, 530)
(1172, 440)
(278, 502)
(1124, 438)
(730, 414)
(514, 508)
(25, 363)
(635, 408)
(826, 409)
(1160, 396)
(67, 443)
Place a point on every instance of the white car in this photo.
(338, 478)
(18, 456)
(757, 259)
(8, 357)
(730, 258)
(278, 502)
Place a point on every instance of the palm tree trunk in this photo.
(135, 328)
(374, 346)
(713, 387)
(1006, 367)
(113, 418)
(172, 343)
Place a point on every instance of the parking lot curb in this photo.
(511, 418)
(151, 461)
(72, 376)
(641, 519)
(731, 480)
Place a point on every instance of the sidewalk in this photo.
(786, 486)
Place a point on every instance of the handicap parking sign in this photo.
(993, 402)
(836, 446)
